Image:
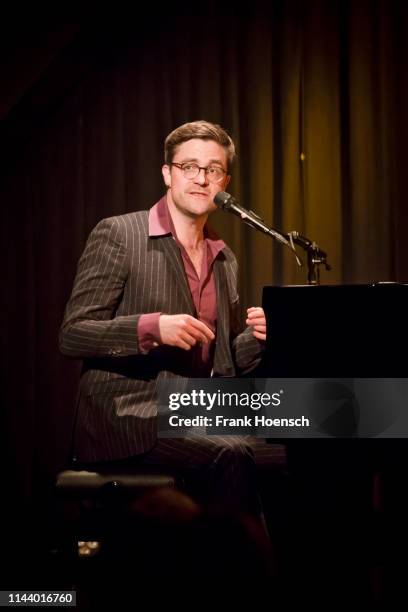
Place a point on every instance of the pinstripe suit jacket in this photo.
(122, 274)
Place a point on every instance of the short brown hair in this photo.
(198, 129)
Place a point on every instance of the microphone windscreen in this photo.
(222, 199)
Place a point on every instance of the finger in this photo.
(195, 333)
(256, 319)
(251, 311)
(183, 345)
(260, 328)
(254, 322)
(253, 308)
(256, 314)
(201, 327)
(187, 326)
(198, 336)
(259, 335)
(190, 339)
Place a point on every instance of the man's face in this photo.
(194, 197)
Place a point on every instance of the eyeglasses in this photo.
(190, 170)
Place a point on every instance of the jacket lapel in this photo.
(222, 357)
(172, 253)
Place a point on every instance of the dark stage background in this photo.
(314, 93)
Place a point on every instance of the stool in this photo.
(90, 502)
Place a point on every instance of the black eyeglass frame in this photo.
(205, 168)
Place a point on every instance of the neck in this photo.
(189, 230)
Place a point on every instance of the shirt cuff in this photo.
(148, 331)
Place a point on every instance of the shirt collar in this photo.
(159, 222)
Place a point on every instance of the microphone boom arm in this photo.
(315, 256)
(227, 203)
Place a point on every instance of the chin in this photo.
(201, 209)
(207, 210)
(199, 213)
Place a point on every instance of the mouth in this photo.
(202, 194)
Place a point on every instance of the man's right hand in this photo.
(184, 331)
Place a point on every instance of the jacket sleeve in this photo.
(90, 327)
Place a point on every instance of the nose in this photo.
(201, 177)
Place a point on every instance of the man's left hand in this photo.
(256, 319)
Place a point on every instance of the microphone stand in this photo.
(315, 256)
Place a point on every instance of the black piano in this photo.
(355, 331)
(340, 332)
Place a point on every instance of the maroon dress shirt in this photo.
(202, 289)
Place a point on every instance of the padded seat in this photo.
(76, 484)
(91, 501)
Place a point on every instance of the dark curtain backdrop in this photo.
(315, 95)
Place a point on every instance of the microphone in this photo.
(228, 203)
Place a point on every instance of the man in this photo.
(155, 297)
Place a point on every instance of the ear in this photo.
(166, 175)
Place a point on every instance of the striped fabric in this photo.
(122, 274)
(218, 471)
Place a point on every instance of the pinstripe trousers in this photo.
(219, 472)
